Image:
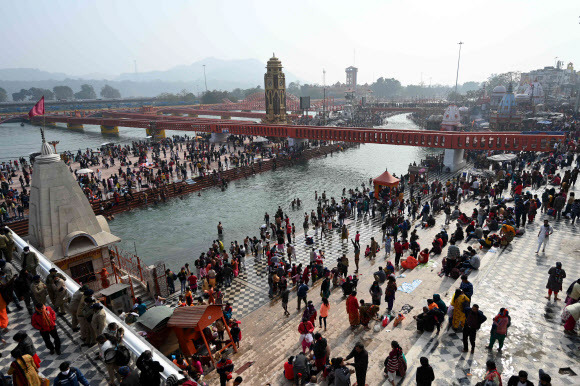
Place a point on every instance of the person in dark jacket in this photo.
(520, 379)
(25, 344)
(69, 376)
(22, 290)
(150, 369)
(361, 362)
(128, 377)
(474, 318)
(425, 375)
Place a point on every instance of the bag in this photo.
(119, 356)
(44, 381)
(402, 370)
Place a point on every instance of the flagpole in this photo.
(42, 128)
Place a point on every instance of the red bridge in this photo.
(156, 125)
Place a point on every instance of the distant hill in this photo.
(221, 75)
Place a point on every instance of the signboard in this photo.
(304, 103)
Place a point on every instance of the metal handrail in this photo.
(135, 343)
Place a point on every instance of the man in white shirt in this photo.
(544, 235)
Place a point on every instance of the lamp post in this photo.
(457, 75)
(204, 78)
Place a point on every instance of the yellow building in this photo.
(275, 88)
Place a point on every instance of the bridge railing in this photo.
(135, 343)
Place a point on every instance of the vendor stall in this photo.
(188, 323)
(154, 322)
(385, 179)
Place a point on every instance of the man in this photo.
(87, 330)
(60, 295)
(235, 382)
(150, 369)
(380, 275)
(44, 320)
(520, 380)
(69, 376)
(361, 362)
(544, 235)
(301, 294)
(224, 368)
(7, 279)
(73, 307)
(53, 274)
(99, 320)
(301, 368)
(374, 247)
(84, 324)
(29, 260)
(319, 349)
(474, 320)
(466, 286)
(38, 289)
(545, 379)
(453, 253)
(558, 204)
(352, 307)
(341, 372)
(473, 262)
(8, 248)
(129, 377)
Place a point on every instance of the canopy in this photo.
(154, 316)
(85, 171)
(386, 179)
(502, 157)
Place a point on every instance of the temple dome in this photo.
(499, 89)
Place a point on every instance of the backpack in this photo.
(119, 356)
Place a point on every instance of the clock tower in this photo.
(275, 88)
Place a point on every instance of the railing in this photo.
(131, 340)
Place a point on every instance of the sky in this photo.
(403, 39)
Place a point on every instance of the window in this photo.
(83, 272)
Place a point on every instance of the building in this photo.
(275, 92)
(62, 223)
(506, 117)
(451, 119)
(557, 82)
(497, 95)
(351, 73)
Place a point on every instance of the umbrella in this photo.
(85, 171)
(422, 170)
(107, 143)
(155, 316)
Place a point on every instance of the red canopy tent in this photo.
(385, 179)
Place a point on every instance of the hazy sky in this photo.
(400, 39)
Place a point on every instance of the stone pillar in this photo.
(156, 133)
(296, 142)
(74, 126)
(453, 159)
(109, 129)
(218, 137)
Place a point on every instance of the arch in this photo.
(78, 242)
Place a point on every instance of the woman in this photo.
(390, 293)
(440, 303)
(3, 317)
(325, 288)
(492, 376)
(507, 233)
(570, 316)
(393, 362)
(344, 233)
(459, 302)
(376, 293)
(557, 275)
(23, 370)
(310, 313)
(425, 375)
(501, 322)
(324, 308)
(352, 307)
(305, 328)
(573, 293)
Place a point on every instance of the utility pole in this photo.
(204, 78)
(324, 97)
(457, 75)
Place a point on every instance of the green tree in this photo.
(110, 92)
(37, 93)
(62, 92)
(215, 96)
(87, 92)
(386, 88)
(470, 86)
(20, 95)
(503, 79)
(3, 95)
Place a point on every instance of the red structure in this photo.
(507, 141)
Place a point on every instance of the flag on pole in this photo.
(38, 108)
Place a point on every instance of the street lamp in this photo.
(204, 78)
(457, 75)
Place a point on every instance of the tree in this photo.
(37, 93)
(470, 86)
(62, 92)
(503, 79)
(386, 88)
(87, 92)
(215, 96)
(20, 95)
(110, 92)
(3, 95)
